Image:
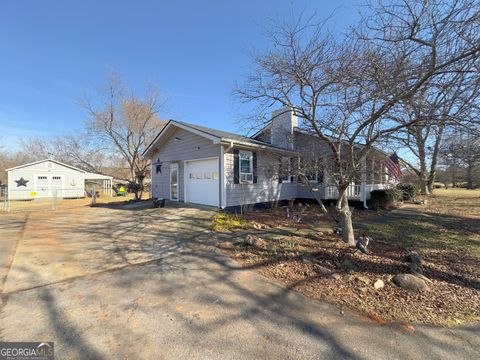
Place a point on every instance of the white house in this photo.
(51, 178)
(196, 164)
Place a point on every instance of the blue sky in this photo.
(51, 52)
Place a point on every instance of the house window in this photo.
(245, 159)
(286, 170)
(312, 176)
(312, 172)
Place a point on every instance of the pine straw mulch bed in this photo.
(321, 266)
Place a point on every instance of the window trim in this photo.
(240, 172)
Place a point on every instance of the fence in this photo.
(49, 199)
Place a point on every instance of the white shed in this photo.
(50, 178)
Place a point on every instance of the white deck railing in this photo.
(354, 191)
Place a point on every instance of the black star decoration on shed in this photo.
(22, 182)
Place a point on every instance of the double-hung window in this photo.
(286, 170)
(312, 171)
(245, 159)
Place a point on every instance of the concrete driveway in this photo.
(143, 284)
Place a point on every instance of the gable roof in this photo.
(45, 160)
(217, 136)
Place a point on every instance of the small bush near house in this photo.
(384, 199)
(408, 191)
(223, 221)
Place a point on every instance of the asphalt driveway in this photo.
(142, 284)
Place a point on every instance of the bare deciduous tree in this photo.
(125, 123)
(443, 105)
(460, 154)
(346, 91)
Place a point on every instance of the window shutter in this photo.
(280, 170)
(254, 165)
(292, 178)
(300, 169)
(236, 166)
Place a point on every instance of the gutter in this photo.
(230, 143)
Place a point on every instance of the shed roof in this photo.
(45, 160)
(93, 176)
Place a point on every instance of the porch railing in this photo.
(353, 191)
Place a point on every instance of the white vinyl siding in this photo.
(189, 147)
(267, 188)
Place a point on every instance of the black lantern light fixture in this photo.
(158, 166)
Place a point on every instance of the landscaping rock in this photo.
(226, 245)
(336, 276)
(363, 279)
(416, 269)
(410, 282)
(424, 278)
(322, 269)
(255, 241)
(379, 284)
(414, 257)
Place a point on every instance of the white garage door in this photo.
(202, 182)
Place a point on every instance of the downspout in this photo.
(230, 147)
(364, 182)
(223, 188)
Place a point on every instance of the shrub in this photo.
(384, 199)
(223, 221)
(408, 191)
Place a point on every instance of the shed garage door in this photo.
(202, 182)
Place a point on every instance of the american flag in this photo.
(393, 166)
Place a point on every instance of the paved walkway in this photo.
(146, 284)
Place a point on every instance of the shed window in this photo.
(246, 166)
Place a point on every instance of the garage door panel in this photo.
(203, 182)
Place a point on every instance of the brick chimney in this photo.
(283, 122)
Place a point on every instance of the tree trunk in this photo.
(435, 154)
(424, 184)
(470, 176)
(454, 177)
(345, 216)
(315, 194)
(430, 183)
